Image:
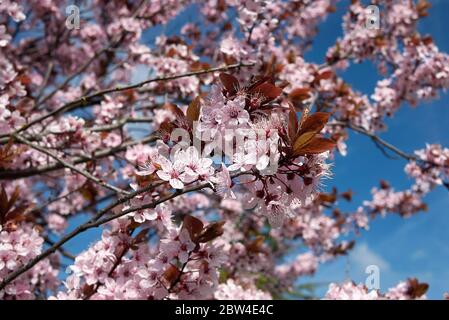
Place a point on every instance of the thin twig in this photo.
(15, 174)
(382, 143)
(64, 252)
(69, 165)
(96, 222)
(85, 100)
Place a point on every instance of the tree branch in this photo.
(95, 222)
(87, 99)
(69, 165)
(15, 174)
(382, 143)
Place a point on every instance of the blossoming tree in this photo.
(204, 176)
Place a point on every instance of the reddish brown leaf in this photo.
(327, 197)
(327, 74)
(347, 195)
(427, 40)
(211, 232)
(197, 66)
(299, 94)
(343, 248)
(142, 236)
(255, 246)
(193, 110)
(193, 226)
(292, 123)
(13, 199)
(24, 79)
(317, 145)
(175, 110)
(17, 215)
(8, 153)
(230, 83)
(416, 289)
(384, 184)
(258, 80)
(171, 274)
(422, 6)
(3, 202)
(302, 140)
(268, 91)
(314, 123)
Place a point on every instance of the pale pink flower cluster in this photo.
(117, 267)
(386, 200)
(18, 245)
(405, 290)
(317, 229)
(278, 201)
(350, 291)
(108, 110)
(402, 292)
(186, 167)
(13, 9)
(303, 265)
(433, 170)
(57, 223)
(260, 151)
(175, 59)
(230, 290)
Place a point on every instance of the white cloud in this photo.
(363, 256)
(418, 255)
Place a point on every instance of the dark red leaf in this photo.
(292, 123)
(211, 232)
(175, 110)
(299, 94)
(230, 83)
(268, 91)
(324, 75)
(194, 227)
(171, 274)
(193, 110)
(416, 289)
(316, 145)
(314, 123)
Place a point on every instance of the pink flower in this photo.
(57, 223)
(230, 290)
(233, 113)
(349, 291)
(172, 172)
(195, 166)
(223, 183)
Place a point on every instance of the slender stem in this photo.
(15, 174)
(382, 143)
(69, 165)
(95, 222)
(88, 99)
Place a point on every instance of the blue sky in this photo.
(413, 247)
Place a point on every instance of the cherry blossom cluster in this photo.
(411, 289)
(430, 169)
(123, 266)
(18, 245)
